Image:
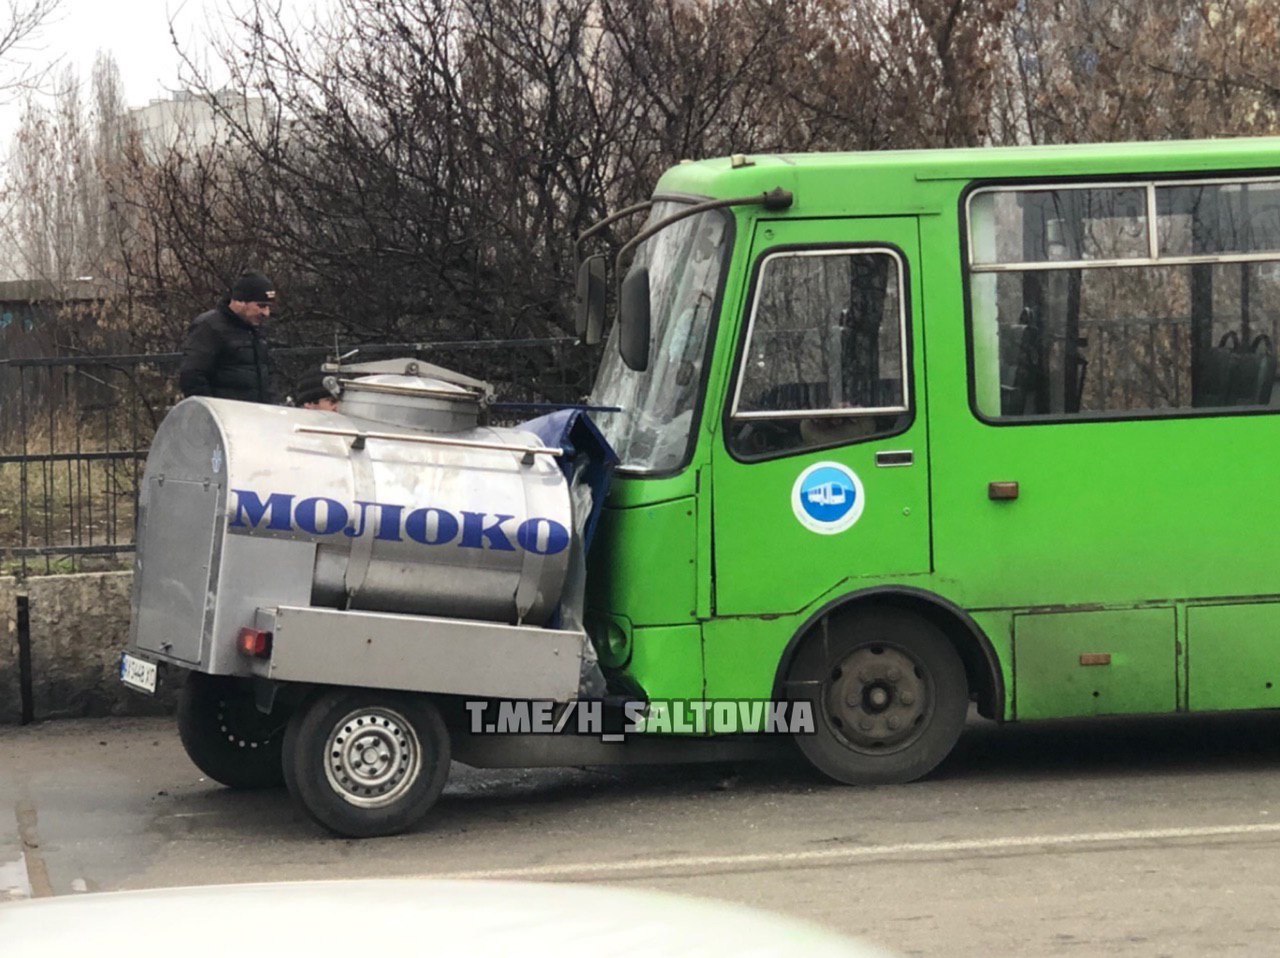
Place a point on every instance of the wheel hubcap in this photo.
(373, 757)
(878, 699)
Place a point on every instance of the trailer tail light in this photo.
(254, 643)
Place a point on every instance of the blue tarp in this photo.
(573, 431)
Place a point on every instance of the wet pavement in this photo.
(1134, 837)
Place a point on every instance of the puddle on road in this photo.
(13, 880)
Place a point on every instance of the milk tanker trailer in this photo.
(316, 572)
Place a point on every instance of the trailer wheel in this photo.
(889, 696)
(364, 763)
(226, 736)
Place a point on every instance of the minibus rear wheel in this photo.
(364, 762)
(888, 693)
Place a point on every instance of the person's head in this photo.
(252, 297)
(317, 391)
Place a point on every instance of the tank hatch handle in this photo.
(527, 453)
(392, 389)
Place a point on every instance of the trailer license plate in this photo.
(137, 673)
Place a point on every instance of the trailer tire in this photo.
(888, 693)
(226, 736)
(364, 763)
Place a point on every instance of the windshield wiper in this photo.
(776, 199)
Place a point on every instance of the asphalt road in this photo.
(1133, 837)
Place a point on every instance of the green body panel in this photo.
(667, 662)
(627, 493)
(1108, 512)
(1053, 682)
(742, 654)
(704, 563)
(765, 560)
(1234, 657)
(1148, 539)
(996, 625)
(645, 563)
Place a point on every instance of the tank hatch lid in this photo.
(412, 387)
(414, 402)
(428, 373)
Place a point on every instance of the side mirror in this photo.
(588, 317)
(633, 319)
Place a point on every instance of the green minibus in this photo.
(904, 431)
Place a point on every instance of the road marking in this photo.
(13, 879)
(835, 856)
(37, 871)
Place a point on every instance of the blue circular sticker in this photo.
(827, 498)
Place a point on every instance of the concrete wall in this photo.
(79, 624)
(10, 694)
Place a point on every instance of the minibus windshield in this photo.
(652, 432)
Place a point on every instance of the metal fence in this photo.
(74, 435)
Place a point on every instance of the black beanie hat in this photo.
(253, 287)
(313, 388)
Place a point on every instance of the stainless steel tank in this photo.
(401, 501)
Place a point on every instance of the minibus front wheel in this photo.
(888, 694)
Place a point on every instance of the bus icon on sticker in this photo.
(827, 498)
(828, 494)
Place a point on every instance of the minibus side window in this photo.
(824, 362)
(1136, 299)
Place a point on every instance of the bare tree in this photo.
(419, 167)
(416, 169)
(1098, 70)
(58, 222)
(20, 25)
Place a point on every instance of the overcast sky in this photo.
(136, 32)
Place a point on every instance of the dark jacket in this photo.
(224, 356)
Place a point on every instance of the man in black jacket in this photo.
(225, 352)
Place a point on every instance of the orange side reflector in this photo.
(1095, 658)
(999, 491)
